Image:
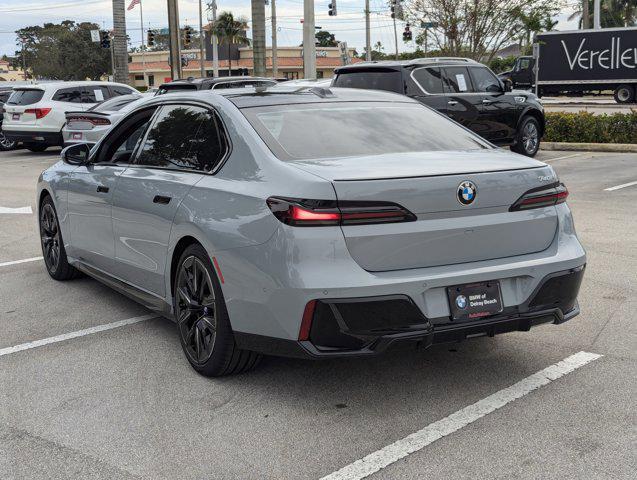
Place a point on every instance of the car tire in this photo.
(202, 318)
(624, 94)
(528, 137)
(5, 143)
(53, 251)
(35, 147)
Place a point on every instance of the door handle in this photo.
(102, 189)
(452, 102)
(161, 200)
(486, 101)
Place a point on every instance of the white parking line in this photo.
(380, 459)
(617, 187)
(78, 333)
(24, 260)
(26, 210)
(564, 157)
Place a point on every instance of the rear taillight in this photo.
(91, 120)
(317, 213)
(38, 112)
(541, 197)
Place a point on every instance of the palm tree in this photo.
(231, 30)
(614, 13)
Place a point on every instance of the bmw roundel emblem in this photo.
(461, 301)
(467, 192)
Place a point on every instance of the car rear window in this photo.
(376, 79)
(343, 129)
(114, 104)
(25, 97)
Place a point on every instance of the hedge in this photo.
(586, 127)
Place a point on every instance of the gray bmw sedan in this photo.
(311, 222)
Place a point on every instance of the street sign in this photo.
(428, 24)
(95, 36)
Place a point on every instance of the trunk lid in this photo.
(446, 231)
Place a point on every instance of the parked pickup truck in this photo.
(581, 61)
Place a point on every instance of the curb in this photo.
(590, 147)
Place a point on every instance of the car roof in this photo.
(52, 85)
(397, 64)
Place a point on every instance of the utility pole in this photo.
(275, 57)
(202, 56)
(120, 49)
(309, 39)
(368, 34)
(396, 38)
(175, 39)
(212, 7)
(258, 37)
(585, 15)
(596, 15)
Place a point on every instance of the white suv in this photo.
(35, 114)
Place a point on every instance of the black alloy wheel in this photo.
(5, 143)
(196, 310)
(50, 237)
(52, 245)
(202, 318)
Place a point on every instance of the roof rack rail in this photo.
(442, 59)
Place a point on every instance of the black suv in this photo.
(463, 89)
(215, 83)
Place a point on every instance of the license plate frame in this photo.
(15, 116)
(481, 300)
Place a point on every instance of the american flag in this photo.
(133, 3)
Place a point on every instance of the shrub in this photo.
(585, 127)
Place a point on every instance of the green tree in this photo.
(231, 30)
(476, 28)
(62, 51)
(326, 39)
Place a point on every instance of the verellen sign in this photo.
(607, 54)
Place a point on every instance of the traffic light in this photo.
(393, 8)
(105, 39)
(187, 36)
(407, 35)
(332, 9)
(150, 38)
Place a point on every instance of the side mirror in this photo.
(76, 154)
(493, 88)
(507, 84)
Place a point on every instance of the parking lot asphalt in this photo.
(124, 403)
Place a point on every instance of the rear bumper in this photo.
(34, 137)
(366, 326)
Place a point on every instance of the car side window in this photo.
(117, 90)
(122, 142)
(184, 137)
(429, 79)
(524, 64)
(72, 95)
(456, 80)
(95, 94)
(484, 80)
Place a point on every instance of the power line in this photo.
(32, 8)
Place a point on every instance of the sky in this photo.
(348, 26)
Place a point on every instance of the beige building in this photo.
(9, 74)
(151, 69)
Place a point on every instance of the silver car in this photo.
(91, 125)
(312, 223)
